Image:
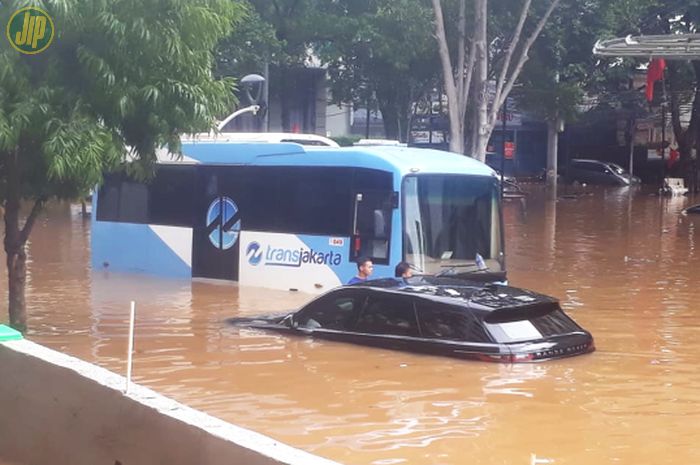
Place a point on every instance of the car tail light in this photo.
(507, 358)
(541, 355)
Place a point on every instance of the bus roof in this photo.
(405, 160)
(259, 137)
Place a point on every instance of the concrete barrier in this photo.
(56, 409)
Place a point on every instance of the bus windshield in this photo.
(452, 222)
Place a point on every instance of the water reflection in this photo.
(622, 262)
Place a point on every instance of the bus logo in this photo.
(254, 253)
(30, 30)
(223, 223)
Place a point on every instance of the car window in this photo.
(388, 315)
(442, 321)
(331, 312)
(536, 327)
(590, 166)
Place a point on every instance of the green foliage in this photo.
(377, 45)
(346, 141)
(252, 43)
(295, 24)
(379, 51)
(562, 68)
(120, 73)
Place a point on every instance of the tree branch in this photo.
(31, 219)
(467, 82)
(441, 37)
(461, 39)
(511, 49)
(521, 62)
(453, 103)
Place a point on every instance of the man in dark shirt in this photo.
(403, 270)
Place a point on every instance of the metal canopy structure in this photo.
(669, 47)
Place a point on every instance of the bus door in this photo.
(215, 241)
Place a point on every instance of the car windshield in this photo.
(452, 221)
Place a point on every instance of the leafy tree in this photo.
(379, 50)
(249, 47)
(653, 17)
(295, 24)
(120, 77)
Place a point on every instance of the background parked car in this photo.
(598, 172)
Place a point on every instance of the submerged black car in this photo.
(440, 316)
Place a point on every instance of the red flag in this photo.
(655, 72)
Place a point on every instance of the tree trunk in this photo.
(390, 118)
(16, 279)
(16, 240)
(405, 116)
(483, 131)
(387, 101)
(486, 119)
(453, 98)
(14, 248)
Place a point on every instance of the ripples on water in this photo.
(623, 266)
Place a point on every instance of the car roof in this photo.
(456, 292)
(589, 160)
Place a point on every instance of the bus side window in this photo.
(373, 226)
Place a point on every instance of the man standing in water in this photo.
(364, 270)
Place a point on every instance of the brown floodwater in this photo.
(624, 265)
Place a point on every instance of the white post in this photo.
(131, 346)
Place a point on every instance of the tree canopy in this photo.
(379, 51)
(120, 76)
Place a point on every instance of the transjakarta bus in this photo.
(285, 216)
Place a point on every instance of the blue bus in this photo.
(287, 216)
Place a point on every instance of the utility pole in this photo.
(503, 139)
(552, 139)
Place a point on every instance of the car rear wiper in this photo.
(479, 264)
(449, 269)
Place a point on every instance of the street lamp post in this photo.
(253, 85)
(663, 140)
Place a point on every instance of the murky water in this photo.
(624, 266)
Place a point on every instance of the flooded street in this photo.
(623, 264)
